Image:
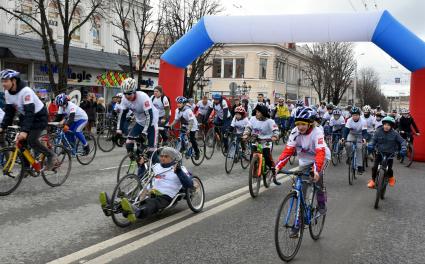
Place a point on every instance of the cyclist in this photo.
(387, 141)
(263, 128)
(161, 102)
(169, 178)
(337, 124)
(260, 101)
(326, 118)
(370, 121)
(282, 115)
(146, 115)
(222, 116)
(309, 142)
(76, 120)
(378, 119)
(322, 109)
(298, 104)
(33, 114)
(188, 121)
(355, 130)
(405, 125)
(203, 110)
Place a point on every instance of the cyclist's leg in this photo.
(270, 163)
(36, 145)
(359, 153)
(77, 127)
(348, 146)
(152, 205)
(133, 134)
(378, 160)
(192, 138)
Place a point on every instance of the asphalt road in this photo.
(39, 224)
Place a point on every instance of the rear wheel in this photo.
(254, 180)
(245, 157)
(105, 140)
(128, 187)
(201, 147)
(410, 153)
(378, 185)
(10, 180)
(58, 176)
(195, 197)
(210, 143)
(128, 165)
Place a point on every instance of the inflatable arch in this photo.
(380, 28)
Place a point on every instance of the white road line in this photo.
(124, 250)
(118, 239)
(111, 168)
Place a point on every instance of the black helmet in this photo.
(263, 110)
(355, 110)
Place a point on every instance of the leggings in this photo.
(35, 144)
(152, 205)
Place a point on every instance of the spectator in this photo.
(89, 104)
(236, 103)
(101, 112)
(52, 109)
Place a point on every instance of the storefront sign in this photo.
(76, 75)
(152, 65)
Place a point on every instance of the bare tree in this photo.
(180, 17)
(368, 89)
(316, 70)
(343, 68)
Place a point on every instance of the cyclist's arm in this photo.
(184, 179)
(176, 118)
(70, 119)
(122, 115)
(414, 126)
(285, 156)
(8, 116)
(28, 118)
(148, 121)
(166, 108)
(345, 132)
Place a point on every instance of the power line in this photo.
(352, 6)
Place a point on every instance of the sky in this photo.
(410, 13)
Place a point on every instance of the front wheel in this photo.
(210, 143)
(317, 220)
(86, 157)
(105, 140)
(245, 156)
(350, 173)
(128, 187)
(254, 180)
(128, 165)
(267, 178)
(59, 175)
(195, 197)
(379, 183)
(230, 158)
(10, 178)
(409, 156)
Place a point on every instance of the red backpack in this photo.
(227, 101)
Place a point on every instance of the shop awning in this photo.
(31, 49)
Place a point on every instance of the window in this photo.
(240, 68)
(76, 20)
(26, 8)
(53, 14)
(228, 68)
(280, 71)
(95, 30)
(263, 68)
(292, 74)
(216, 68)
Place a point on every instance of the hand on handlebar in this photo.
(65, 128)
(316, 177)
(274, 138)
(21, 136)
(118, 132)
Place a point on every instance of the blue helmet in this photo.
(9, 74)
(336, 112)
(181, 99)
(299, 103)
(61, 99)
(355, 110)
(217, 96)
(305, 114)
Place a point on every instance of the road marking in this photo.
(111, 168)
(144, 229)
(124, 250)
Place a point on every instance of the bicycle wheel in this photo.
(334, 154)
(9, 181)
(195, 197)
(365, 158)
(198, 162)
(223, 146)
(128, 187)
(410, 152)
(230, 158)
(254, 180)
(105, 140)
(317, 221)
(245, 157)
(58, 176)
(267, 178)
(287, 247)
(384, 188)
(350, 173)
(82, 157)
(379, 181)
(128, 165)
(210, 143)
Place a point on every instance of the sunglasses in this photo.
(130, 93)
(301, 123)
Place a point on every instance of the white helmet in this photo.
(367, 108)
(129, 85)
(120, 95)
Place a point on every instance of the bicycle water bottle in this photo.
(34, 163)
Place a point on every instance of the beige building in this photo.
(274, 70)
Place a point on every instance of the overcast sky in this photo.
(411, 13)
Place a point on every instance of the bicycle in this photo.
(213, 139)
(258, 169)
(17, 162)
(381, 180)
(352, 162)
(283, 131)
(336, 149)
(410, 152)
(135, 188)
(294, 213)
(184, 146)
(75, 148)
(235, 154)
(107, 138)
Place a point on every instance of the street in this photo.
(39, 224)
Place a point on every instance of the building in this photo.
(96, 62)
(274, 70)
(398, 95)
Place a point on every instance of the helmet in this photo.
(61, 99)
(119, 95)
(216, 96)
(405, 111)
(299, 103)
(355, 110)
(394, 111)
(241, 110)
(366, 109)
(129, 85)
(181, 99)
(336, 112)
(389, 120)
(263, 109)
(330, 106)
(304, 114)
(9, 74)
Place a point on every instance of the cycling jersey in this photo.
(321, 111)
(220, 109)
(370, 122)
(72, 108)
(337, 124)
(356, 128)
(166, 180)
(186, 116)
(326, 117)
(142, 108)
(378, 123)
(24, 97)
(406, 124)
(282, 111)
(239, 125)
(160, 104)
(264, 129)
(203, 109)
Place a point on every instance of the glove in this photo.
(177, 167)
(403, 152)
(65, 128)
(370, 148)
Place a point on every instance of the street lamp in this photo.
(244, 88)
(202, 83)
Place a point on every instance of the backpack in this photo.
(227, 101)
(162, 99)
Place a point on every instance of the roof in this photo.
(27, 48)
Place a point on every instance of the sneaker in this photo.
(104, 202)
(391, 181)
(360, 169)
(275, 181)
(371, 184)
(295, 232)
(128, 208)
(86, 149)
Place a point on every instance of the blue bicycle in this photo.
(184, 146)
(76, 148)
(298, 208)
(336, 149)
(352, 162)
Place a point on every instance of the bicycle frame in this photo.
(28, 156)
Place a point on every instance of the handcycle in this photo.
(134, 188)
(236, 153)
(297, 209)
(19, 161)
(76, 148)
(381, 180)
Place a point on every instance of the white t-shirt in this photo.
(219, 109)
(377, 123)
(337, 124)
(185, 116)
(327, 116)
(1, 115)
(356, 128)
(141, 103)
(25, 96)
(203, 109)
(321, 111)
(370, 121)
(263, 129)
(239, 125)
(166, 180)
(73, 108)
(160, 104)
(306, 145)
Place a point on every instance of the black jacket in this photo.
(387, 142)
